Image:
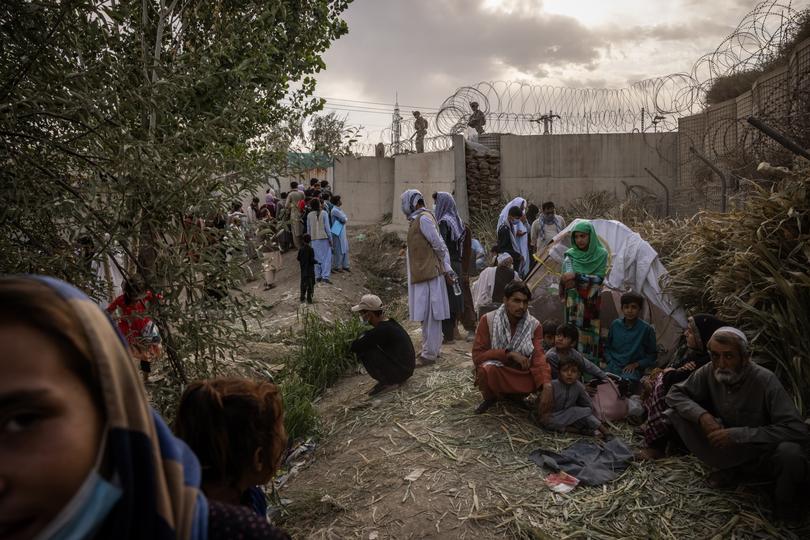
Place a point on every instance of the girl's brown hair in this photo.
(26, 301)
(225, 420)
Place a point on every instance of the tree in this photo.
(129, 127)
(331, 136)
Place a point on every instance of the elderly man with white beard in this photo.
(736, 417)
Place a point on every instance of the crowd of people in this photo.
(69, 383)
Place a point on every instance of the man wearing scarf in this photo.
(429, 275)
(736, 417)
(452, 231)
(508, 351)
(488, 289)
(546, 227)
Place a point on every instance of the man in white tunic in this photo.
(429, 273)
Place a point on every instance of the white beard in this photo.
(727, 377)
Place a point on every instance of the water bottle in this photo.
(456, 287)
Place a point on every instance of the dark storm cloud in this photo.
(407, 46)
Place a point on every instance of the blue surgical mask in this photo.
(86, 511)
(84, 514)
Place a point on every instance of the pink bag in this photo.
(608, 403)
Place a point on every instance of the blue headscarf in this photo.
(156, 473)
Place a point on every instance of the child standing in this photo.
(572, 409)
(630, 346)
(565, 347)
(272, 263)
(129, 311)
(306, 259)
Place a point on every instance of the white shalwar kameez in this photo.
(427, 301)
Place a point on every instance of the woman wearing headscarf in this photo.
(82, 454)
(698, 331)
(583, 272)
(340, 261)
(520, 230)
(429, 275)
(451, 228)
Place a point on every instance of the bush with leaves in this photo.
(129, 128)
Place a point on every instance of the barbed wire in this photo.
(649, 105)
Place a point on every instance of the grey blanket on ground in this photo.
(592, 462)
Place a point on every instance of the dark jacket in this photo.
(306, 259)
(505, 245)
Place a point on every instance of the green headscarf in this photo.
(592, 261)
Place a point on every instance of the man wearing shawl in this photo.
(429, 274)
(508, 351)
(519, 230)
(488, 289)
(583, 272)
(452, 231)
(546, 227)
(736, 417)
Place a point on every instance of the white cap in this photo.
(369, 302)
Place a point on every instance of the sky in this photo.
(421, 51)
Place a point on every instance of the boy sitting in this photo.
(565, 346)
(630, 347)
(549, 331)
(570, 410)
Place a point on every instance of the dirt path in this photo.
(417, 463)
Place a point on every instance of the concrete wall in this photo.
(366, 187)
(563, 167)
(429, 172)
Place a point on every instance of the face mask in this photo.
(86, 511)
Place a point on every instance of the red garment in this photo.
(498, 381)
(129, 323)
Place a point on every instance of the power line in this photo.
(414, 107)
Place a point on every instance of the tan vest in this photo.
(425, 264)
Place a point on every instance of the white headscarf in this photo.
(503, 257)
(517, 201)
(409, 200)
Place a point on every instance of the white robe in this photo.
(429, 296)
(483, 286)
(523, 245)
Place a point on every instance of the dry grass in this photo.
(478, 482)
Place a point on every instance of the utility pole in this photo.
(396, 127)
(548, 122)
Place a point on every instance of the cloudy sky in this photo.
(422, 50)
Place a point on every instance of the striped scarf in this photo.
(501, 337)
(157, 473)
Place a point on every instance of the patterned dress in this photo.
(582, 305)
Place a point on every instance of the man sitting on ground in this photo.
(386, 351)
(736, 417)
(508, 351)
(488, 289)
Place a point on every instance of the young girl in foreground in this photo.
(236, 429)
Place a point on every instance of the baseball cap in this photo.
(369, 302)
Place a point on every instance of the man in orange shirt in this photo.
(508, 351)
